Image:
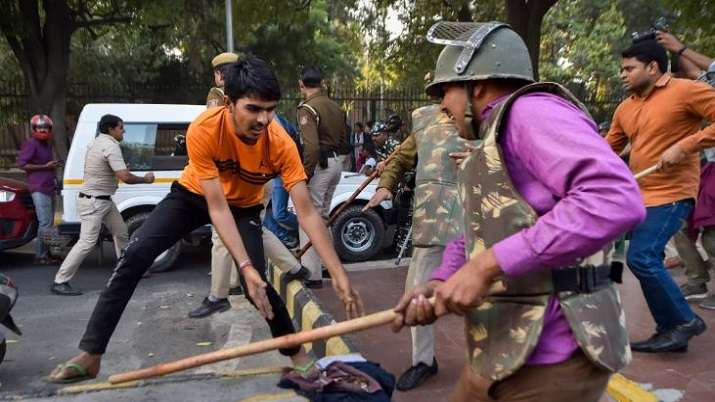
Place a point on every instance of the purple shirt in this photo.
(36, 152)
(584, 194)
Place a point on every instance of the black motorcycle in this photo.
(8, 297)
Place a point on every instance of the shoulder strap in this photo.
(312, 111)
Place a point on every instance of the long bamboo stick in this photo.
(646, 172)
(291, 340)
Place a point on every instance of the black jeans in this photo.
(179, 213)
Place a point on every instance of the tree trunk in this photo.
(525, 17)
(43, 54)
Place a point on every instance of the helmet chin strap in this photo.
(469, 125)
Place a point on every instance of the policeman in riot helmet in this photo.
(425, 154)
(543, 198)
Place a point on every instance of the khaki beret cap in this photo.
(224, 58)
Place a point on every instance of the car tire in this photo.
(3, 349)
(165, 261)
(358, 234)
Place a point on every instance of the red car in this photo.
(18, 222)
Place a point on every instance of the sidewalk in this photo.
(688, 377)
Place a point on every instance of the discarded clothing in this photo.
(339, 381)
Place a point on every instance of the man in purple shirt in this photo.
(35, 158)
(542, 194)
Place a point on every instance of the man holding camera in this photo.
(693, 64)
(661, 119)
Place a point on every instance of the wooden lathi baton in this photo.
(646, 172)
(286, 341)
(349, 201)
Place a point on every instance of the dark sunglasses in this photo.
(42, 127)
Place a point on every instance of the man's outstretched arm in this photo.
(314, 226)
(225, 225)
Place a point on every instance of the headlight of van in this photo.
(6, 196)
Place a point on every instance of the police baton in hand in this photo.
(645, 172)
(349, 201)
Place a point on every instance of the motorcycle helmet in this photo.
(41, 126)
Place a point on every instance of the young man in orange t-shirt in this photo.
(233, 151)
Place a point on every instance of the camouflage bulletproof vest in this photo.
(502, 332)
(436, 199)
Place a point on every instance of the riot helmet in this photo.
(477, 51)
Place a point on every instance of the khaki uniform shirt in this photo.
(404, 161)
(104, 157)
(330, 133)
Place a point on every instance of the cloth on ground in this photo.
(339, 381)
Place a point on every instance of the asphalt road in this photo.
(154, 329)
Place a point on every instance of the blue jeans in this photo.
(45, 211)
(280, 221)
(645, 258)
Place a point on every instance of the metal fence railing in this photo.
(360, 105)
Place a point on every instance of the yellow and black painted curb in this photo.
(307, 313)
(622, 389)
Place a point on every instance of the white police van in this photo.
(150, 145)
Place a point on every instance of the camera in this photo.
(661, 24)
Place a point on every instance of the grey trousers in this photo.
(696, 268)
(92, 214)
(424, 261)
(322, 187)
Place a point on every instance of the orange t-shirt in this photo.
(672, 113)
(215, 150)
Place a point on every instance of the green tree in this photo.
(39, 35)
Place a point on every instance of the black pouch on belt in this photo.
(323, 156)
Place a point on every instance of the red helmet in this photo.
(41, 126)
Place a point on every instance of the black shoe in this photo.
(209, 307)
(64, 289)
(237, 291)
(416, 375)
(302, 275)
(673, 340)
(313, 284)
(647, 345)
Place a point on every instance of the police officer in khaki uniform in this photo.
(219, 63)
(435, 219)
(103, 165)
(323, 130)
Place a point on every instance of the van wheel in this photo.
(358, 235)
(165, 261)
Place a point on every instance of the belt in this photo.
(586, 279)
(99, 197)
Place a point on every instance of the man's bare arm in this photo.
(225, 226)
(314, 226)
(127, 177)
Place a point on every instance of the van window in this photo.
(152, 146)
(138, 145)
